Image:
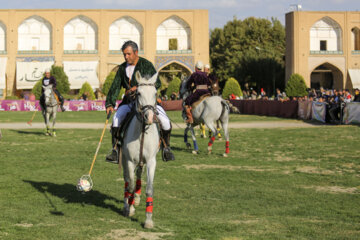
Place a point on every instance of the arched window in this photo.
(2, 37)
(80, 34)
(173, 34)
(326, 35)
(34, 34)
(124, 29)
(355, 37)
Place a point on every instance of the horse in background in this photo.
(208, 111)
(140, 145)
(51, 106)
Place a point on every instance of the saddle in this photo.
(202, 98)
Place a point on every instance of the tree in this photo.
(174, 86)
(231, 87)
(62, 82)
(87, 89)
(107, 84)
(233, 52)
(296, 86)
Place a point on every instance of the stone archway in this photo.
(174, 69)
(327, 76)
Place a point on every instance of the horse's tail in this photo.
(233, 109)
(225, 106)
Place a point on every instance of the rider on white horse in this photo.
(46, 81)
(200, 82)
(125, 77)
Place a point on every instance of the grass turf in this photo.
(276, 184)
(99, 117)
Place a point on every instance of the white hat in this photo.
(47, 70)
(199, 65)
(207, 66)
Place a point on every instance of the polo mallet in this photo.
(85, 183)
(32, 118)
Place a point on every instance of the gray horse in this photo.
(208, 111)
(51, 106)
(141, 131)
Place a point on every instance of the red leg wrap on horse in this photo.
(149, 204)
(227, 149)
(131, 199)
(211, 141)
(138, 187)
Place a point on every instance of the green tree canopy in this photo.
(233, 52)
(296, 86)
(87, 89)
(174, 86)
(231, 87)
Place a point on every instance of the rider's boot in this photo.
(113, 156)
(188, 115)
(167, 154)
(61, 99)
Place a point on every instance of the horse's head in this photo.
(183, 91)
(48, 90)
(146, 97)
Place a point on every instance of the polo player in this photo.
(46, 81)
(125, 77)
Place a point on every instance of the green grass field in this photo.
(96, 117)
(276, 184)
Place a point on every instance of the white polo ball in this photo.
(85, 185)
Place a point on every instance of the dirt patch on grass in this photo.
(249, 221)
(314, 170)
(227, 167)
(334, 189)
(25, 225)
(132, 234)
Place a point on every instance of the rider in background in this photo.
(46, 81)
(199, 82)
(125, 77)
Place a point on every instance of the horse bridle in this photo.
(142, 109)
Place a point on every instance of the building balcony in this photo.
(34, 52)
(80, 51)
(355, 52)
(141, 52)
(173, 51)
(326, 52)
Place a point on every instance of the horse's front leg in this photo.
(129, 209)
(151, 166)
(138, 186)
(47, 117)
(196, 148)
(53, 124)
(188, 145)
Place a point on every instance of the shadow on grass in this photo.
(28, 132)
(68, 193)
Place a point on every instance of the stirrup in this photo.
(113, 156)
(167, 155)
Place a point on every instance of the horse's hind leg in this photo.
(211, 126)
(224, 122)
(150, 166)
(53, 124)
(218, 129)
(47, 116)
(138, 186)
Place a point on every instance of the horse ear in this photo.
(153, 79)
(138, 76)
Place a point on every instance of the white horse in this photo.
(51, 106)
(141, 131)
(208, 111)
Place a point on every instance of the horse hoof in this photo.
(188, 145)
(54, 134)
(132, 211)
(209, 152)
(194, 152)
(225, 155)
(149, 224)
(219, 139)
(47, 134)
(137, 200)
(126, 211)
